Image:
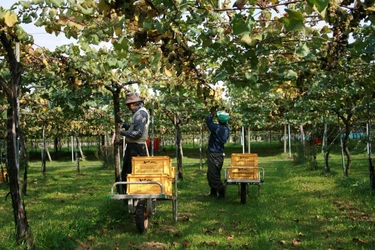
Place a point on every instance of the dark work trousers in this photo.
(132, 149)
(215, 164)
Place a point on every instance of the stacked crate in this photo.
(244, 167)
(151, 168)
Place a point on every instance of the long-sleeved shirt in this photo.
(138, 130)
(218, 136)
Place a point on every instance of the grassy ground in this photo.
(299, 208)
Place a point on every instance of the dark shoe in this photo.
(213, 192)
(221, 192)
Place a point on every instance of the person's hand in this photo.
(213, 110)
(125, 125)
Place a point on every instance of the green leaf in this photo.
(159, 26)
(156, 59)
(56, 3)
(302, 50)
(122, 44)
(221, 76)
(111, 62)
(319, 4)
(263, 65)
(85, 11)
(239, 25)
(148, 25)
(294, 20)
(291, 75)
(265, 86)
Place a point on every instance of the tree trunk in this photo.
(371, 165)
(47, 152)
(79, 148)
(77, 157)
(326, 157)
(116, 91)
(348, 156)
(23, 231)
(44, 154)
(178, 147)
(345, 145)
(25, 161)
(56, 147)
(325, 137)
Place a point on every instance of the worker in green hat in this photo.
(219, 134)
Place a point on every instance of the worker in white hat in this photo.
(136, 133)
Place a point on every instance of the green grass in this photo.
(70, 210)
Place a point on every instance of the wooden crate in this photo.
(244, 160)
(3, 175)
(243, 173)
(151, 165)
(248, 160)
(173, 172)
(165, 180)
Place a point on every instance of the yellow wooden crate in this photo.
(165, 180)
(248, 160)
(151, 165)
(3, 175)
(173, 172)
(243, 173)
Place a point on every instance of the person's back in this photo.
(219, 134)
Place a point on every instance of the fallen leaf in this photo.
(211, 244)
(185, 218)
(282, 242)
(296, 242)
(230, 237)
(359, 241)
(185, 243)
(301, 234)
(210, 231)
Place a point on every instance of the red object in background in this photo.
(317, 141)
(157, 142)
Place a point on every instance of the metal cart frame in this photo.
(143, 206)
(243, 184)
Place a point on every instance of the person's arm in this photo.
(209, 122)
(140, 121)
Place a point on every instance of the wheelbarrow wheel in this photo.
(141, 216)
(243, 193)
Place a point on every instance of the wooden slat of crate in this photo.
(173, 172)
(3, 175)
(151, 165)
(243, 173)
(165, 180)
(250, 160)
